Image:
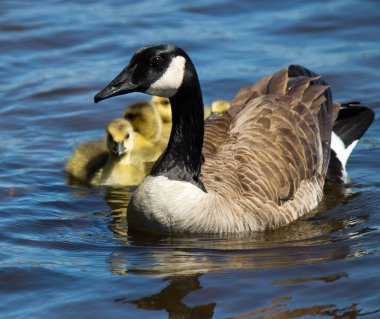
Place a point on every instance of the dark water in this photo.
(65, 251)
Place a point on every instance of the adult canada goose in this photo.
(265, 160)
(121, 168)
(149, 142)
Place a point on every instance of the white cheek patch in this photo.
(167, 85)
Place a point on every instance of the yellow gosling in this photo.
(220, 106)
(145, 119)
(162, 104)
(87, 158)
(122, 167)
(147, 123)
(206, 111)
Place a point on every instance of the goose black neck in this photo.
(183, 156)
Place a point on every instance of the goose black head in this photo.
(155, 70)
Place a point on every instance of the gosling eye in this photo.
(156, 61)
(165, 103)
(127, 136)
(130, 116)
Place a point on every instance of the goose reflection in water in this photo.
(171, 299)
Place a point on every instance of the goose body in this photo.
(264, 161)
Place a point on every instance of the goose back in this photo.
(269, 153)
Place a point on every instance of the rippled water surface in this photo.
(65, 250)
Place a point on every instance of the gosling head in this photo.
(162, 104)
(220, 106)
(156, 70)
(145, 119)
(119, 137)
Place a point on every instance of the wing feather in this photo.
(268, 148)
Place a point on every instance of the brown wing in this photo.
(269, 141)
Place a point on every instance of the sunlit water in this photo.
(65, 251)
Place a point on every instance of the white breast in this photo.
(161, 205)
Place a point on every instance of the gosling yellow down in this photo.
(147, 123)
(109, 161)
(122, 168)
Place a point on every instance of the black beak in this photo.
(122, 84)
(118, 148)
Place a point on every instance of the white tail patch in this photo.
(168, 84)
(342, 152)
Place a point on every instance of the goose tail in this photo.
(352, 121)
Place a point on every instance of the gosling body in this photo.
(122, 168)
(149, 140)
(108, 162)
(86, 160)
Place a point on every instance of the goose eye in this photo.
(156, 61)
(165, 103)
(127, 136)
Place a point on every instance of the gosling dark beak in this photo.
(122, 84)
(119, 148)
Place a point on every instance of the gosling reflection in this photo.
(118, 199)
